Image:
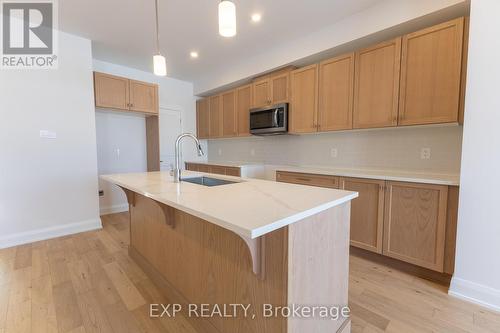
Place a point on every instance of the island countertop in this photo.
(250, 207)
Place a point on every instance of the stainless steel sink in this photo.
(207, 181)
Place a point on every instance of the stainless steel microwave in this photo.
(270, 120)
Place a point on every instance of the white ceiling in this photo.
(122, 31)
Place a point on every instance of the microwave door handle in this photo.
(275, 118)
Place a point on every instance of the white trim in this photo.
(50, 232)
(119, 208)
(475, 293)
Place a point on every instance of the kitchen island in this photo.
(266, 246)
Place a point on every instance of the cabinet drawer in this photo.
(307, 179)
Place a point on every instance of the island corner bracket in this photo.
(130, 195)
(168, 213)
(257, 252)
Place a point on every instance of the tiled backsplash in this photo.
(392, 148)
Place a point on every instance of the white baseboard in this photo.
(48, 233)
(475, 293)
(113, 209)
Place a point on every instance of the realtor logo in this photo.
(29, 35)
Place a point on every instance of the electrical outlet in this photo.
(425, 154)
(252, 152)
(117, 151)
(219, 152)
(334, 153)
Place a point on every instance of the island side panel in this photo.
(199, 262)
(318, 267)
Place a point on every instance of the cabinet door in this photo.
(336, 93)
(233, 171)
(203, 168)
(261, 93)
(229, 115)
(243, 105)
(217, 169)
(111, 91)
(143, 97)
(279, 88)
(415, 223)
(304, 101)
(431, 69)
(376, 85)
(215, 110)
(367, 212)
(203, 118)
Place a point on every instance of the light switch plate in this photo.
(334, 153)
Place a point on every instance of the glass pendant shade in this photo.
(227, 18)
(159, 65)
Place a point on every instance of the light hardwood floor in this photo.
(87, 283)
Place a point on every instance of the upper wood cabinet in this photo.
(431, 70)
(143, 96)
(111, 91)
(271, 89)
(202, 118)
(304, 100)
(215, 110)
(280, 89)
(416, 79)
(376, 85)
(123, 94)
(415, 223)
(243, 105)
(367, 212)
(229, 114)
(261, 93)
(336, 93)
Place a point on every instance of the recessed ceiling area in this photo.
(123, 31)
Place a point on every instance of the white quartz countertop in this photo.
(250, 208)
(394, 175)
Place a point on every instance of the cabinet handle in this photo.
(304, 179)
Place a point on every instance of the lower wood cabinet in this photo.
(216, 169)
(415, 223)
(307, 179)
(367, 212)
(411, 222)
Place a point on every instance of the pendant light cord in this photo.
(157, 29)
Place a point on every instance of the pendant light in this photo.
(159, 61)
(227, 18)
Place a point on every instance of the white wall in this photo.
(376, 19)
(396, 148)
(116, 130)
(48, 187)
(121, 148)
(477, 267)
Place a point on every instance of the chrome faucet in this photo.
(177, 168)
